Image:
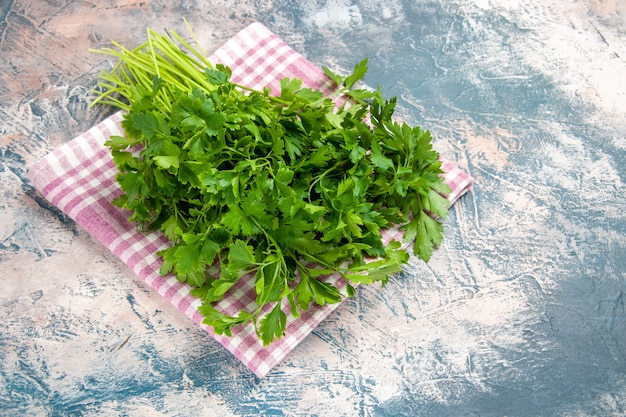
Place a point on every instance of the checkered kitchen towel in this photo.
(79, 178)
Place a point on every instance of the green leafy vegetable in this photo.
(283, 190)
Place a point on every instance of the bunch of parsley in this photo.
(283, 189)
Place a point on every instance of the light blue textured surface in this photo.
(521, 312)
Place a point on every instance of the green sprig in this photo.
(284, 190)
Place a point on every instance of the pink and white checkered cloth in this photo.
(79, 179)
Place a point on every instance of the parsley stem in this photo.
(318, 261)
(178, 214)
(319, 178)
(269, 238)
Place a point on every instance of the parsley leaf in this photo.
(272, 325)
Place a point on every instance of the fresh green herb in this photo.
(283, 189)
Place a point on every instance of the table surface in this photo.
(520, 312)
